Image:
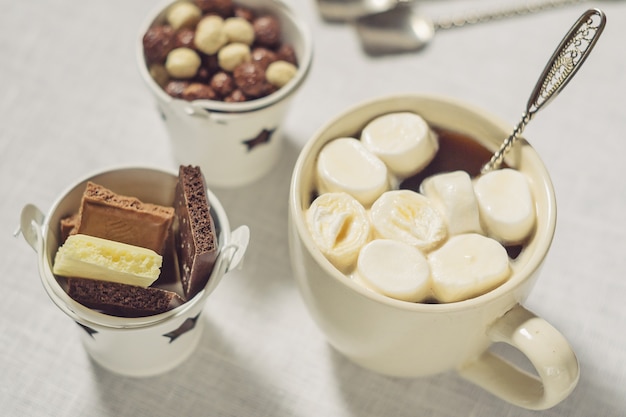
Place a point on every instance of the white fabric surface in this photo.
(72, 101)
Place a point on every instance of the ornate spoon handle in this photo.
(564, 63)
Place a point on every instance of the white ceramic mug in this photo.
(405, 339)
(234, 143)
(140, 346)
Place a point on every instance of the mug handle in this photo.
(31, 221)
(545, 347)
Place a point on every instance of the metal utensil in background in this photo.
(348, 10)
(401, 28)
(563, 65)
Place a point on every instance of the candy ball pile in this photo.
(218, 50)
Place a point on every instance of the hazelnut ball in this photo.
(280, 73)
(250, 78)
(210, 36)
(287, 53)
(232, 55)
(267, 31)
(223, 8)
(237, 96)
(182, 63)
(158, 41)
(183, 14)
(222, 83)
(198, 91)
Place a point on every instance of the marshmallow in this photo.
(506, 205)
(466, 266)
(402, 140)
(409, 217)
(339, 227)
(453, 194)
(182, 63)
(345, 165)
(394, 269)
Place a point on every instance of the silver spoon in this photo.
(400, 28)
(563, 65)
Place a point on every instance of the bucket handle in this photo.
(31, 221)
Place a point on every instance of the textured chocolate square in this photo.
(107, 215)
(196, 241)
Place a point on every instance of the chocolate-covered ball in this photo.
(237, 96)
(267, 31)
(198, 91)
(287, 53)
(184, 38)
(245, 13)
(263, 56)
(223, 8)
(158, 41)
(222, 83)
(176, 88)
(250, 78)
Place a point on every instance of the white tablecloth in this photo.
(72, 101)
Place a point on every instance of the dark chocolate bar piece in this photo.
(196, 241)
(107, 215)
(120, 299)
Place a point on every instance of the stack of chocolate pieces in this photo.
(183, 234)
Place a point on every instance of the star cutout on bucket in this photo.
(89, 330)
(187, 325)
(261, 138)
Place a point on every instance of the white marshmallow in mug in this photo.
(403, 140)
(345, 165)
(453, 194)
(394, 269)
(506, 204)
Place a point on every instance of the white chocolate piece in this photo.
(409, 217)
(453, 194)
(183, 14)
(506, 205)
(280, 72)
(467, 266)
(210, 36)
(232, 55)
(90, 257)
(339, 227)
(345, 165)
(402, 140)
(182, 63)
(238, 29)
(394, 269)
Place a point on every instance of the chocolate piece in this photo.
(223, 8)
(222, 83)
(196, 239)
(263, 56)
(124, 219)
(198, 91)
(250, 78)
(120, 299)
(267, 31)
(158, 41)
(68, 226)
